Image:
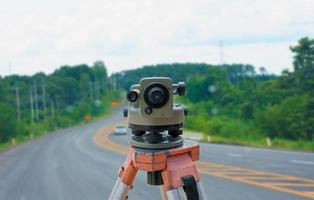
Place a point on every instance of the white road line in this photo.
(302, 162)
(228, 147)
(235, 155)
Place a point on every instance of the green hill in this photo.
(234, 104)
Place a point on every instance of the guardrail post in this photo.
(268, 141)
(13, 141)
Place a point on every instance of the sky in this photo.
(37, 35)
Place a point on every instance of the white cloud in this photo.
(274, 56)
(40, 36)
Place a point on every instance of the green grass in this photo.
(277, 143)
(19, 140)
(227, 130)
(39, 131)
(4, 146)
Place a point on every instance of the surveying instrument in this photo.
(156, 145)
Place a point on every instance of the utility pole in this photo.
(36, 102)
(105, 86)
(44, 98)
(95, 89)
(91, 91)
(32, 105)
(52, 110)
(101, 87)
(110, 84)
(18, 109)
(114, 83)
(98, 88)
(221, 52)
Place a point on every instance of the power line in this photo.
(34, 97)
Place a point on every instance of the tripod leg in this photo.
(201, 191)
(181, 174)
(163, 194)
(124, 182)
(180, 194)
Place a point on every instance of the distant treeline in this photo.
(239, 101)
(236, 102)
(31, 105)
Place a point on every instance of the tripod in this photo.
(173, 168)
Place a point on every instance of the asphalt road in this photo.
(67, 165)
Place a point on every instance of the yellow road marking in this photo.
(101, 138)
(247, 176)
(310, 193)
(264, 178)
(293, 184)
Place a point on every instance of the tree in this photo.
(304, 64)
(99, 70)
(263, 71)
(84, 84)
(289, 119)
(8, 122)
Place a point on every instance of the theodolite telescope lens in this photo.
(156, 95)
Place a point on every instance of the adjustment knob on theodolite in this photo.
(181, 88)
(132, 96)
(125, 112)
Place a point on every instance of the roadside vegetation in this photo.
(229, 103)
(239, 104)
(31, 106)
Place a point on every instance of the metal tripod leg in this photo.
(201, 191)
(179, 194)
(124, 182)
(163, 193)
(181, 175)
(181, 180)
(119, 191)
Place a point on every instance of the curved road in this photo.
(67, 165)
